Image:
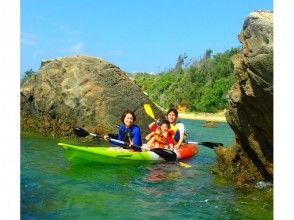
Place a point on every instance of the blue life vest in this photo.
(133, 133)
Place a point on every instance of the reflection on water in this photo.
(162, 172)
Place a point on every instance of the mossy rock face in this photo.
(234, 164)
(80, 91)
(250, 107)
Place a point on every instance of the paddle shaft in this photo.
(211, 145)
(118, 141)
(167, 155)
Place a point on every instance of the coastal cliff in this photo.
(80, 91)
(250, 107)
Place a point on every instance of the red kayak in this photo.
(187, 150)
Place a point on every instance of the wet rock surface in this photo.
(250, 109)
(80, 91)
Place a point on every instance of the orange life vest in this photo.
(164, 138)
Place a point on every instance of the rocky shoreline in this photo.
(250, 105)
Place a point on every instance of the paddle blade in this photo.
(210, 144)
(167, 155)
(149, 110)
(81, 132)
(185, 165)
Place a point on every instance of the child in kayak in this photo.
(178, 128)
(160, 136)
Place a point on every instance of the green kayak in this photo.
(107, 155)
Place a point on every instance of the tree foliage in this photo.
(201, 86)
(181, 61)
(27, 75)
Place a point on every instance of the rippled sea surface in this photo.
(52, 188)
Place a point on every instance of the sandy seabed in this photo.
(203, 116)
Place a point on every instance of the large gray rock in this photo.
(80, 91)
(250, 109)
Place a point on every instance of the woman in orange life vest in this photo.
(161, 136)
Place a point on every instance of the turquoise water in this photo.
(52, 188)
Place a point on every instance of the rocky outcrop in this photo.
(209, 124)
(250, 109)
(80, 91)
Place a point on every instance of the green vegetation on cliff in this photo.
(200, 86)
(27, 75)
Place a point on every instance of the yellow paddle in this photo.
(149, 112)
(185, 165)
